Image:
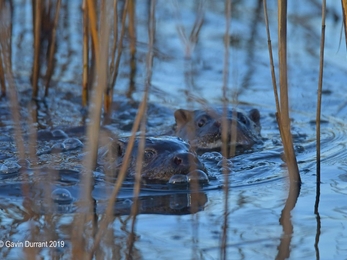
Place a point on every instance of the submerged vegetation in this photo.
(109, 30)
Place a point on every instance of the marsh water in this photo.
(186, 76)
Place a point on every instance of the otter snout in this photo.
(187, 161)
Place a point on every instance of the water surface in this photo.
(165, 228)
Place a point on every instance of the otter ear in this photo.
(118, 148)
(183, 116)
(254, 115)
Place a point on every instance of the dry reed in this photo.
(132, 46)
(85, 55)
(6, 20)
(149, 66)
(115, 60)
(51, 51)
(100, 48)
(283, 114)
(37, 43)
(319, 102)
(318, 139)
(101, 41)
(282, 106)
(225, 126)
(344, 14)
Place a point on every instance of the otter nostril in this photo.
(217, 123)
(177, 160)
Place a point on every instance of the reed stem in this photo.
(37, 15)
(149, 65)
(101, 54)
(132, 35)
(318, 116)
(344, 13)
(114, 67)
(272, 66)
(225, 126)
(283, 114)
(2, 77)
(85, 57)
(50, 65)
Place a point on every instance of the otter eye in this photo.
(148, 154)
(241, 117)
(202, 121)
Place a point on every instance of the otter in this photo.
(203, 128)
(164, 157)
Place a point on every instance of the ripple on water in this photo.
(61, 196)
(9, 169)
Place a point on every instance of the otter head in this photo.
(203, 128)
(163, 157)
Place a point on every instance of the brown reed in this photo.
(51, 51)
(319, 102)
(318, 117)
(284, 126)
(149, 66)
(37, 7)
(6, 20)
(101, 54)
(225, 126)
(115, 60)
(132, 46)
(2, 77)
(283, 114)
(272, 66)
(85, 55)
(344, 14)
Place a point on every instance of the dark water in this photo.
(258, 185)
